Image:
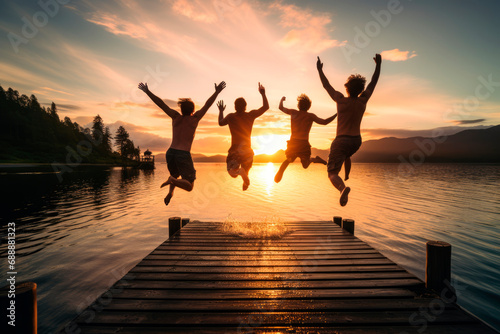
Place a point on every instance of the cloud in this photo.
(64, 107)
(397, 55)
(308, 30)
(469, 121)
(197, 12)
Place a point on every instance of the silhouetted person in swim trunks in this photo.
(350, 111)
(179, 161)
(298, 145)
(240, 156)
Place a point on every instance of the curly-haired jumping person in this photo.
(350, 111)
(298, 146)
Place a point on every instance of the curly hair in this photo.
(355, 84)
(304, 102)
(186, 105)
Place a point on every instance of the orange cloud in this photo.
(397, 55)
(310, 31)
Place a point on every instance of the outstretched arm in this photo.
(265, 103)
(335, 95)
(282, 108)
(159, 102)
(222, 119)
(371, 86)
(322, 121)
(218, 88)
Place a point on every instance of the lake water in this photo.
(75, 238)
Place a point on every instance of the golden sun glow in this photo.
(269, 144)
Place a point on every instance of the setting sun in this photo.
(269, 144)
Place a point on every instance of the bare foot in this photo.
(346, 178)
(167, 199)
(320, 160)
(344, 196)
(166, 183)
(246, 181)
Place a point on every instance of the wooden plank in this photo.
(273, 318)
(230, 276)
(255, 328)
(263, 305)
(274, 285)
(259, 294)
(268, 269)
(203, 257)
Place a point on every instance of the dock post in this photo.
(25, 308)
(348, 225)
(174, 225)
(337, 220)
(185, 221)
(438, 266)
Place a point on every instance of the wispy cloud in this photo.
(309, 31)
(470, 121)
(397, 55)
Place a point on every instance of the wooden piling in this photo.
(24, 310)
(337, 220)
(174, 225)
(438, 265)
(348, 225)
(185, 221)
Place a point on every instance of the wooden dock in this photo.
(317, 279)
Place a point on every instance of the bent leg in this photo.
(318, 160)
(244, 175)
(306, 161)
(279, 174)
(167, 198)
(181, 183)
(337, 182)
(347, 168)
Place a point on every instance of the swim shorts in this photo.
(180, 163)
(298, 148)
(343, 147)
(240, 155)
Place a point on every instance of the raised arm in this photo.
(222, 119)
(335, 95)
(371, 86)
(218, 88)
(265, 103)
(322, 121)
(282, 108)
(159, 102)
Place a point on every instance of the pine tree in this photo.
(121, 139)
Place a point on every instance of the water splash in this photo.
(265, 228)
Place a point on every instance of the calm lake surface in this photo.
(75, 238)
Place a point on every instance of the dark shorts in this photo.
(342, 148)
(298, 148)
(239, 156)
(180, 163)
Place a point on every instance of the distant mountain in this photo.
(466, 146)
(481, 145)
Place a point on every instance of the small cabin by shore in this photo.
(147, 161)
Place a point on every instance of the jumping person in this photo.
(184, 124)
(298, 145)
(240, 156)
(350, 112)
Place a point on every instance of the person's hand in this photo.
(143, 87)
(319, 64)
(378, 59)
(283, 99)
(221, 106)
(262, 90)
(220, 87)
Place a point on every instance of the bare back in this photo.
(301, 125)
(240, 126)
(350, 112)
(183, 131)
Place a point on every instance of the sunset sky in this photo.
(440, 66)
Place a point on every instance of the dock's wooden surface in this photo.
(316, 279)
